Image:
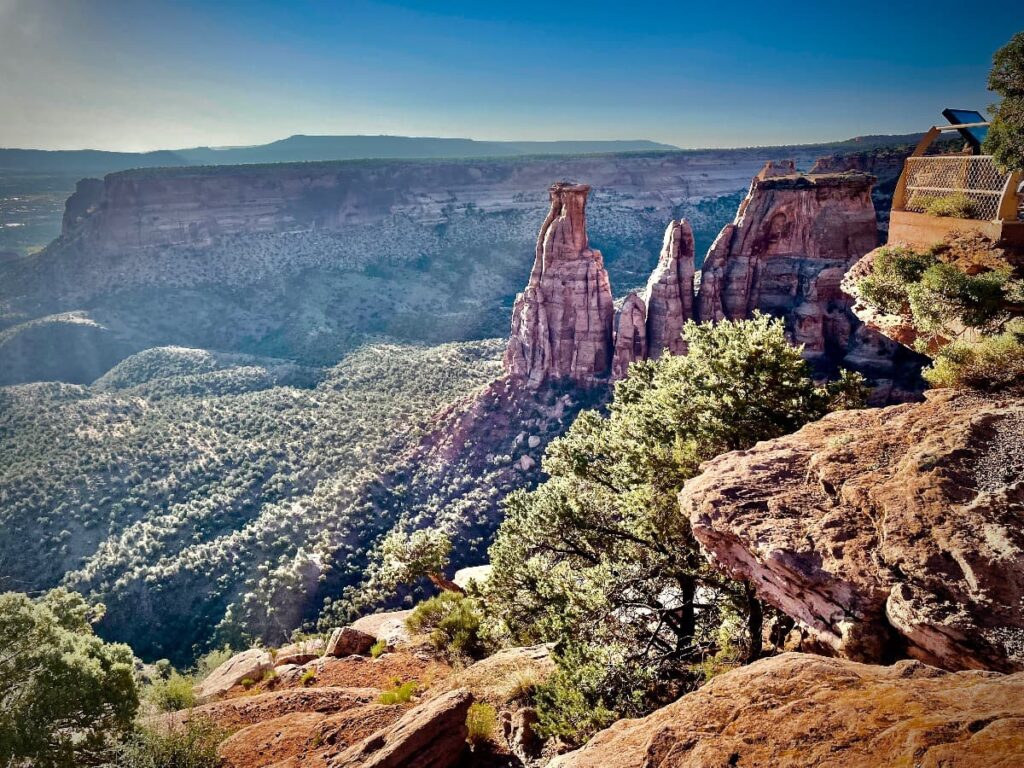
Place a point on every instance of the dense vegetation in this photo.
(1005, 140)
(598, 559)
(215, 487)
(964, 300)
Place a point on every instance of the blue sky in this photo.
(148, 74)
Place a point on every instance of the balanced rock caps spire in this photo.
(562, 322)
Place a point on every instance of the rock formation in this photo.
(885, 532)
(630, 335)
(785, 254)
(249, 665)
(669, 295)
(562, 322)
(433, 735)
(801, 710)
(348, 641)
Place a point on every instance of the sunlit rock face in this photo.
(786, 252)
(562, 322)
(669, 296)
(886, 532)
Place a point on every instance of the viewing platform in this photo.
(971, 192)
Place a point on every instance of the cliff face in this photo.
(562, 322)
(786, 252)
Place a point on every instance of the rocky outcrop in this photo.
(785, 254)
(630, 335)
(388, 626)
(299, 653)
(562, 322)
(801, 710)
(669, 296)
(433, 735)
(348, 641)
(248, 665)
(885, 532)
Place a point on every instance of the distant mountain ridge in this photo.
(302, 148)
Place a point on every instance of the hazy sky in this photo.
(149, 74)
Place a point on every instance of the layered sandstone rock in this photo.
(885, 532)
(801, 710)
(669, 296)
(630, 335)
(433, 735)
(785, 254)
(562, 322)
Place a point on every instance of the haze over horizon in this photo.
(155, 74)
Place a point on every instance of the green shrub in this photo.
(400, 693)
(1005, 140)
(308, 677)
(893, 269)
(994, 363)
(956, 206)
(455, 623)
(955, 285)
(65, 695)
(174, 693)
(377, 649)
(589, 558)
(482, 722)
(247, 683)
(192, 745)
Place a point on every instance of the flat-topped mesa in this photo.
(562, 322)
(791, 242)
(669, 296)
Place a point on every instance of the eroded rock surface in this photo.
(669, 296)
(248, 665)
(886, 532)
(562, 322)
(432, 735)
(786, 252)
(801, 710)
(630, 335)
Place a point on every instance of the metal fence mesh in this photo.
(932, 179)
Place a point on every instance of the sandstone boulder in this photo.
(248, 665)
(388, 626)
(801, 710)
(432, 735)
(299, 653)
(885, 532)
(246, 710)
(562, 322)
(349, 641)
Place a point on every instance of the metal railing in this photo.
(975, 178)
